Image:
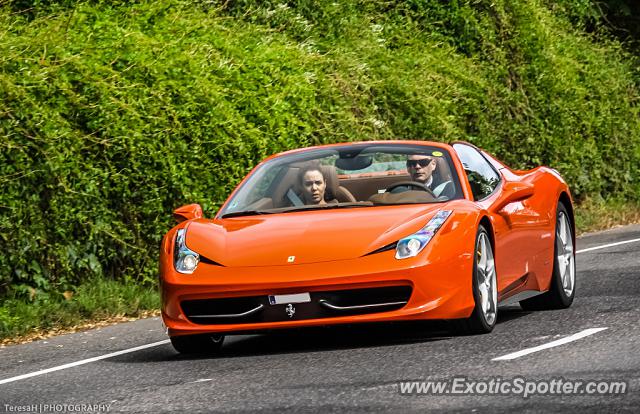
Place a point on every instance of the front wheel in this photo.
(485, 289)
(563, 280)
(197, 344)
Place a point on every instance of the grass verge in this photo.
(598, 214)
(101, 302)
(95, 303)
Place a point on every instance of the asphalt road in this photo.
(356, 369)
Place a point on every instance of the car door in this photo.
(511, 254)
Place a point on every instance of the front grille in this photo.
(323, 304)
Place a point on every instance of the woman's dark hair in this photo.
(310, 166)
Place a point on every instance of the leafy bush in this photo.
(112, 114)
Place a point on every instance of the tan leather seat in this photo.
(287, 184)
(334, 190)
(442, 172)
(443, 181)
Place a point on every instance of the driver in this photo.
(420, 168)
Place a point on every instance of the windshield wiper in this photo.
(246, 213)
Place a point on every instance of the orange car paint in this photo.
(254, 252)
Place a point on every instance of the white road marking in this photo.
(604, 246)
(559, 342)
(84, 361)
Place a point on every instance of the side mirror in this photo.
(188, 212)
(512, 193)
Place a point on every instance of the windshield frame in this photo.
(306, 154)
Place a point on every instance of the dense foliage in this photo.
(112, 114)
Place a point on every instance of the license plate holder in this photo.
(286, 299)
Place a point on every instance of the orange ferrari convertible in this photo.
(369, 232)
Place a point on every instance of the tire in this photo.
(197, 344)
(485, 289)
(563, 279)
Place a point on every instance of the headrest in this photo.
(331, 178)
(289, 180)
(442, 172)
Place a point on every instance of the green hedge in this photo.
(112, 114)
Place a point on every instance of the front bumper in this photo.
(439, 289)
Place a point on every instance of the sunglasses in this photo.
(423, 162)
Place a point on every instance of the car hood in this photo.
(305, 236)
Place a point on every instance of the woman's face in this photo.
(313, 186)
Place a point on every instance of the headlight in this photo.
(184, 259)
(412, 245)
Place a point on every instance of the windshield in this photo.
(350, 176)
